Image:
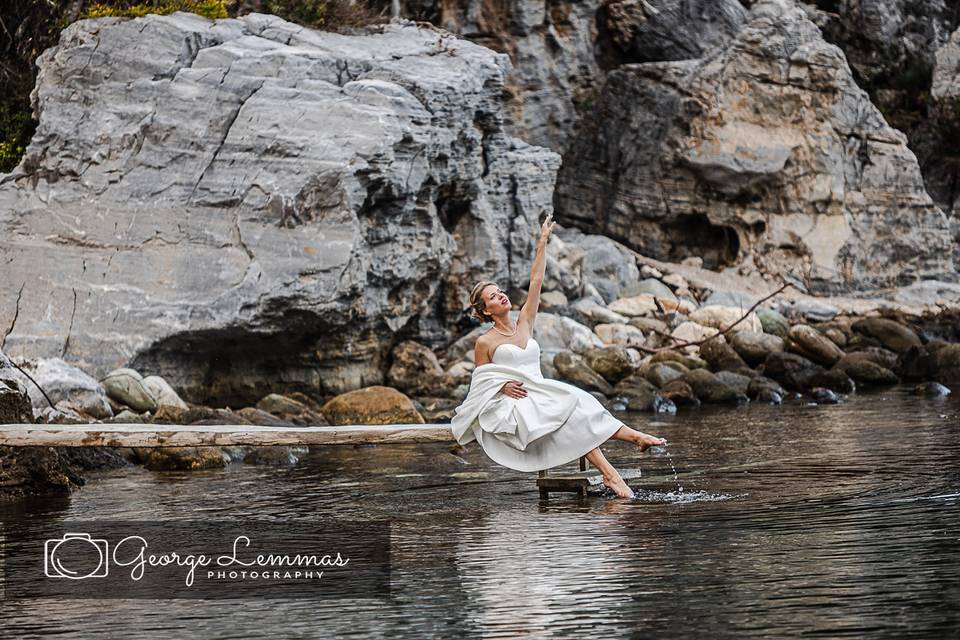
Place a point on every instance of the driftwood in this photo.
(693, 343)
(207, 435)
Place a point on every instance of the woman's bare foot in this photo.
(616, 484)
(644, 441)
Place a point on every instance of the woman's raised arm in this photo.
(528, 312)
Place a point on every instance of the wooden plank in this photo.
(162, 435)
(579, 479)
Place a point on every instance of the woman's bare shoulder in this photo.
(484, 342)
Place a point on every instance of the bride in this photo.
(521, 419)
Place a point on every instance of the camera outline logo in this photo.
(52, 568)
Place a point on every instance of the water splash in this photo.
(679, 497)
(676, 478)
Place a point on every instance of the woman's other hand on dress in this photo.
(514, 389)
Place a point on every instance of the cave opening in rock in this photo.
(695, 235)
(236, 367)
(830, 6)
(451, 207)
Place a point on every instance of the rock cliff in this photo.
(766, 154)
(248, 204)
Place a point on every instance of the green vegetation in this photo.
(207, 8)
(16, 129)
(36, 25)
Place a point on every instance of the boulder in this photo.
(606, 264)
(824, 396)
(708, 388)
(763, 389)
(591, 312)
(680, 393)
(162, 393)
(892, 335)
(557, 333)
(126, 387)
(754, 346)
(649, 325)
(812, 344)
(613, 363)
(639, 305)
(638, 393)
(932, 389)
(371, 405)
(736, 381)
(279, 405)
(170, 414)
(869, 372)
(791, 370)
(623, 335)
(660, 373)
(721, 356)
(574, 368)
(835, 379)
(721, 317)
(250, 199)
(652, 287)
(692, 332)
(275, 455)
(553, 300)
(877, 355)
(63, 381)
(182, 458)
(773, 322)
(260, 417)
(946, 364)
(15, 406)
(836, 336)
(415, 369)
(690, 362)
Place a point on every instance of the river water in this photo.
(831, 520)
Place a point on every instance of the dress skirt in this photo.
(538, 440)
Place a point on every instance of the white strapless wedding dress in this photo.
(554, 424)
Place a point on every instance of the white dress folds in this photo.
(554, 424)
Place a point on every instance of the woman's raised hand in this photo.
(514, 389)
(547, 226)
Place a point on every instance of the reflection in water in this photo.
(832, 520)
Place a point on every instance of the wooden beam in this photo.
(214, 435)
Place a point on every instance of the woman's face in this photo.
(495, 299)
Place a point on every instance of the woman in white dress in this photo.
(529, 422)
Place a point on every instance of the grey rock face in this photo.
(657, 30)
(562, 49)
(946, 70)
(901, 51)
(245, 203)
(768, 150)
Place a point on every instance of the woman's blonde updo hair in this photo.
(478, 303)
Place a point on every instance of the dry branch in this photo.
(694, 343)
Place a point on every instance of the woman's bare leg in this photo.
(643, 440)
(611, 478)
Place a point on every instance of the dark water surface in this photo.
(830, 521)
